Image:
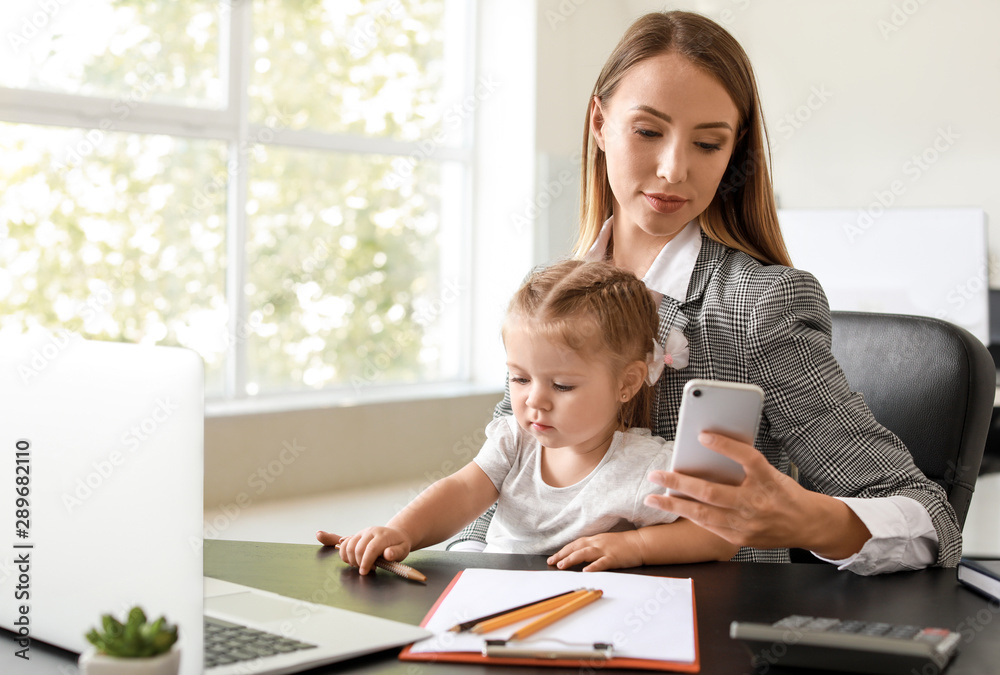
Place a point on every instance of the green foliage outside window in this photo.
(123, 236)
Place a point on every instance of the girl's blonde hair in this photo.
(597, 310)
(742, 214)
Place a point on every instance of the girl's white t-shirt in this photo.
(536, 518)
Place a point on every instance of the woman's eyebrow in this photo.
(667, 118)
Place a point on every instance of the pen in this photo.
(519, 614)
(466, 625)
(399, 569)
(553, 616)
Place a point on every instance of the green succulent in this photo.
(135, 638)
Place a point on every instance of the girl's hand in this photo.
(362, 549)
(767, 510)
(608, 551)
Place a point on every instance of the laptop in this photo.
(108, 440)
(290, 635)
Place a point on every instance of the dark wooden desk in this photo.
(723, 591)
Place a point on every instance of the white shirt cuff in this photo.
(468, 546)
(903, 536)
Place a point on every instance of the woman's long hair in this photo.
(742, 213)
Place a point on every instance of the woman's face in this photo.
(668, 132)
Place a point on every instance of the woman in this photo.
(676, 189)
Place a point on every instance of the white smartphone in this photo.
(727, 408)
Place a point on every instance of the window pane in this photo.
(123, 241)
(133, 50)
(366, 68)
(344, 268)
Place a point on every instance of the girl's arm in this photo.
(672, 543)
(437, 513)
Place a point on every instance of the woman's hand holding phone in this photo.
(762, 511)
(724, 484)
(767, 510)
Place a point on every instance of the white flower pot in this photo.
(92, 663)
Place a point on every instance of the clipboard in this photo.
(597, 656)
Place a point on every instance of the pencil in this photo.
(466, 625)
(555, 615)
(397, 568)
(524, 612)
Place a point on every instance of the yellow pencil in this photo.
(526, 612)
(555, 615)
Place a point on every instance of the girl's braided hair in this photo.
(597, 310)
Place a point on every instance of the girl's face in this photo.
(668, 132)
(560, 398)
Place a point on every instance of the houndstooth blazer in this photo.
(770, 325)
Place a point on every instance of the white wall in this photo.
(852, 91)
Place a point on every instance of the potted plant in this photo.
(132, 648)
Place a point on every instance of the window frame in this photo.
(231, 125)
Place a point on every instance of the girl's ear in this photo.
(632, 379)
(597, 121)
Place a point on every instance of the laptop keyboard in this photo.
(227, 643)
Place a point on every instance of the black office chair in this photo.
(931, 383)
(928, 381)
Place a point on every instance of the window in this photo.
(277, 185)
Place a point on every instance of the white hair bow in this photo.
(674, 353)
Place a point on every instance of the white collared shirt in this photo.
(903, 535)
(671, 270)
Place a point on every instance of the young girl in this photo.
(568, 467)
(676, 189)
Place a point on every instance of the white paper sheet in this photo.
(644, 617)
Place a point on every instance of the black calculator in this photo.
(846, 645)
